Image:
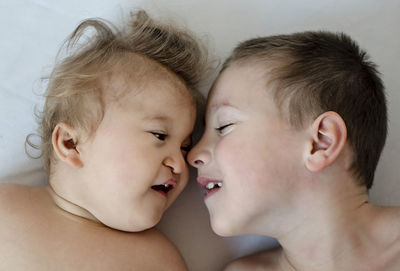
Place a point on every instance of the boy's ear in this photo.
(328, 137)
(65, 141)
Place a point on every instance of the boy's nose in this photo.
(198, 156)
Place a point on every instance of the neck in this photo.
(327, 241)
(328, 228)
(69, 206)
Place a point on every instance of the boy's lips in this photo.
(209, 185)
(165, 187)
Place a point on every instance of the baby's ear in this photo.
(65, 141)
(327, 139)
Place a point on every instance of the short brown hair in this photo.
(315, 72)
(74, 92)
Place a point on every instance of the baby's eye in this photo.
(160, 136)
(224, 129)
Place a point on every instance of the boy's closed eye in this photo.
(224, 129)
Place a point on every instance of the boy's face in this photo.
(249, 149)
(134, 165)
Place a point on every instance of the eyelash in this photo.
(160, 136)
(221, 128)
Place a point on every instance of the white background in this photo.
(32, 31)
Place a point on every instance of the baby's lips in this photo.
(166, 186)
(171, 181)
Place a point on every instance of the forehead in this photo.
(144, 80)
(157, 104)
(157, 94)
(156, 97)
(239, 85)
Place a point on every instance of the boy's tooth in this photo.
(210, 185)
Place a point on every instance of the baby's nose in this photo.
(176, 163)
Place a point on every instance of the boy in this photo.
(295, 125)
(115, 131)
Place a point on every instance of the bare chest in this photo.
(47, 244)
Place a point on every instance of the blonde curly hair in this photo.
(74, 94)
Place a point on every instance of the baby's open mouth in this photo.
(163, 188)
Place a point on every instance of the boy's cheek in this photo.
(231, 152)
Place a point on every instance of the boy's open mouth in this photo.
(209, 185)
(212, 186)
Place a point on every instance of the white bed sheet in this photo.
(32, 31)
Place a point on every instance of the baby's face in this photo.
(134, 165)
(248, 156)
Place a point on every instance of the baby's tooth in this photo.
(219, 184)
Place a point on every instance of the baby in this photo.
(295, 125)
(116, 128)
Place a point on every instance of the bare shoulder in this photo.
(146, 250)
(117, 250)
(33, 226)
(396, 232)
(152, 244)
(387, 224)
(7, 188)
(385, 232)
(264, 260)
(12, 196)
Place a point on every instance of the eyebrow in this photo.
(161, 118)
(217, 105)
(214, 107)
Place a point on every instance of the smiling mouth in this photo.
(210, 186)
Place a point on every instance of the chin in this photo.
(137, 224)
(223, 227)
(147, 223)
